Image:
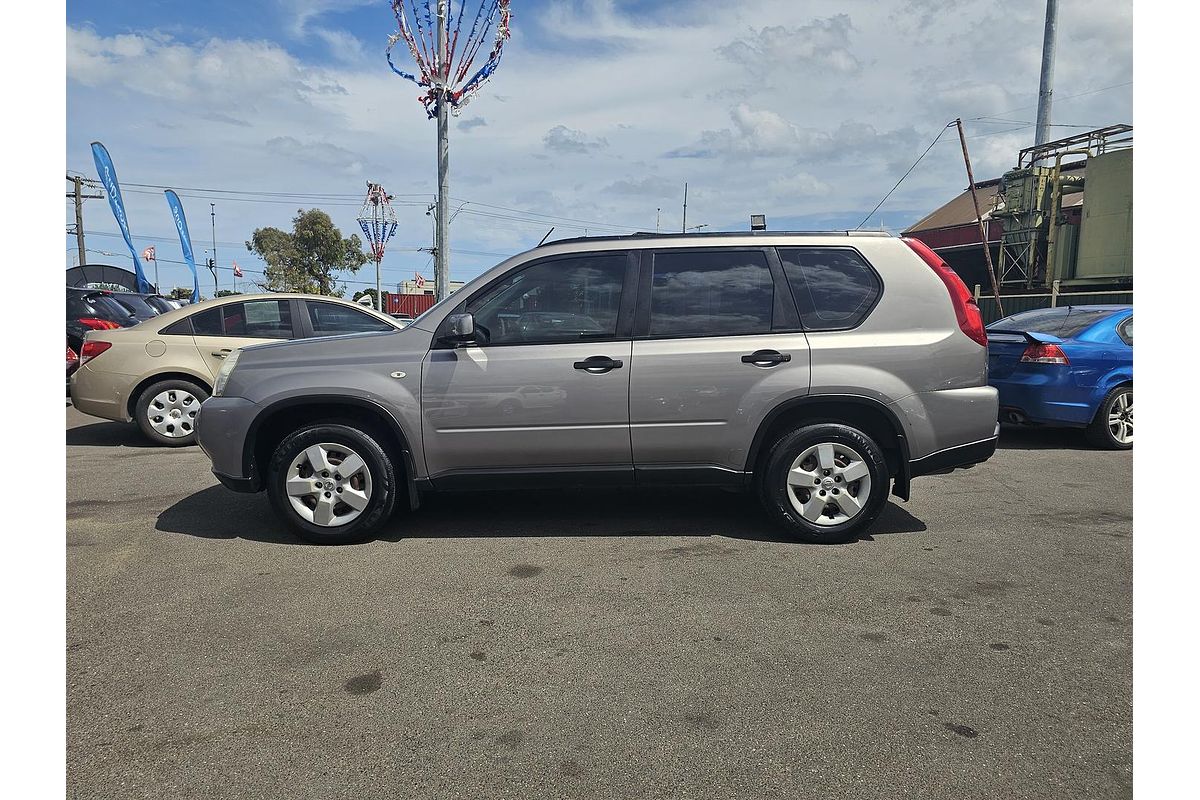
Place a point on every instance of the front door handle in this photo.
(766, 358)
(598, 365)
(222, 353)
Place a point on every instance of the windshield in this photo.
(1065, 323)
(136, 305)
(95, 304)
(162, 305)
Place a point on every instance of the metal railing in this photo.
(1016, 303)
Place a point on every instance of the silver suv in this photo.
(817, 370)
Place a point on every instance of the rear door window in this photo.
(330, 319)
(834, 287)
(253, 319)
(713, 293)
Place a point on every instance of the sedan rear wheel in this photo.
(1112, 427)
(166, 412)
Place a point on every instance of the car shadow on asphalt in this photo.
(1036, 437)
(108, 434)
(217, 513)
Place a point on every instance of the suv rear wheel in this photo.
(333, 483)
(824, 483)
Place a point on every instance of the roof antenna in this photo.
(547, 236)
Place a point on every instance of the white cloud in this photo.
(820, 44)
(562, 139)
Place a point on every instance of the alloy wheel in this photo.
(1120, 418)
(328, 484)
(829, 484)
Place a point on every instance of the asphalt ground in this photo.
(612, 644)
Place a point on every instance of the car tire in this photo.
(837, 458)
(1112, 427)
(165, 411)
(328, 515)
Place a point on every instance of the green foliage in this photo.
(306, 259)
(367, 293)
(181, 293)
(226, 292)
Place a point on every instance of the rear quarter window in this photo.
(834, 288)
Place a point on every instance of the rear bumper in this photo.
(962, 456)
(101, 394)
(1046, 402)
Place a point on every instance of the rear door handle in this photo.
(766, 358)
(222, 353)
(598, 365)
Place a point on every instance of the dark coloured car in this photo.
(93, 310)
(142, 306)
(1070, 366)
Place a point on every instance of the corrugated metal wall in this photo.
(1028, 302)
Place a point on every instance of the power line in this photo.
(905, 175)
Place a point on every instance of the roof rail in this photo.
(643, 235)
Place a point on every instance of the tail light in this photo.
(72, 358)
(970, 321)
(91, 349)
(1044, 354)
(97, 324)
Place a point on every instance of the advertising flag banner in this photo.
(108, 177)
(185, 239)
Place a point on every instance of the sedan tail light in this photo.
(91, 349)
(1044, 354)
(97, 324)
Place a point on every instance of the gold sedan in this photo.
(158, 372)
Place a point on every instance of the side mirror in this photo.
(461, 328)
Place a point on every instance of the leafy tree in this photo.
(367, 293)
(181, 293)
(226, 292)
(305, 259)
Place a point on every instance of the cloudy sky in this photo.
(601, 109)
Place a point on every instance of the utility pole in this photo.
(79, 198)
(1046, 89)
(212, 265)
(658, 221)
(685, 206)
(442, 243)
(987, 250)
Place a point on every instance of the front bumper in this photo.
(222, 429)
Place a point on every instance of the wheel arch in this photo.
(282, 417)
(864, 413)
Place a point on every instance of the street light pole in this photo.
(442, 254)
(212, 265)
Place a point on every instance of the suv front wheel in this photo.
(824, 483)
(333, 483)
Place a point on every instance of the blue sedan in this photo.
(1070, 366)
